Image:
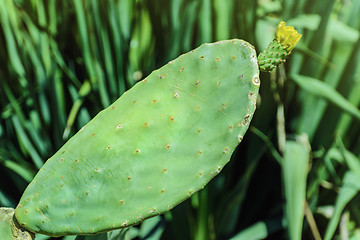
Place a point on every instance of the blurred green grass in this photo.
(61, 62)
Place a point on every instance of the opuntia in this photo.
(157, 145)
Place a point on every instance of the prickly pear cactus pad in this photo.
(158, 144)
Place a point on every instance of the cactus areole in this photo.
(157, 145)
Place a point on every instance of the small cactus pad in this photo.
(272, 56)
(10, 229)
(158, 144)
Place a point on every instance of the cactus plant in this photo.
(154, 147)
(157, 145)
(280, 48)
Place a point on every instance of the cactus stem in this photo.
(144, 150)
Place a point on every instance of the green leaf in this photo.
(100, 236)
(350, 188)
(21, 170)
(151, 229)
(321, 89)
(294, 168)
(309, 21)
(342, 32)
(259, 230)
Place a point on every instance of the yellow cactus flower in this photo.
(287, 36)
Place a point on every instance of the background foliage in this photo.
(61, 62)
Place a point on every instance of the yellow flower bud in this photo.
(287, 36)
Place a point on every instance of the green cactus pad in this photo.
(10, 229)
(158, 144)
(272, 56)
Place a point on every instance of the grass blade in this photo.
(22, 171)
(80, 15)
(348, 191)
(151, 229)
(223, 13)
(325, 91)
(295, 167)
(9, 37)
(28, 146)
(83, 92)
(259, 230)
(205, 25)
